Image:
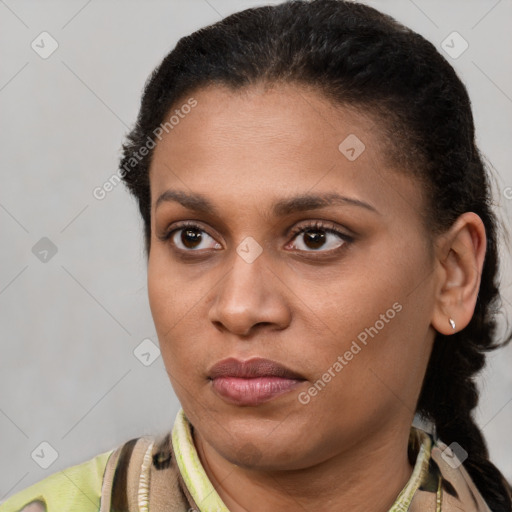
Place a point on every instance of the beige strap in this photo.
(108, 476)
(165, 489)
(147, 487)
(468, 496)
(130, 487)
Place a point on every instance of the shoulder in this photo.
(125, 478)
(75, 488)
(445, 483)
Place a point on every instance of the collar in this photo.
(206, 498)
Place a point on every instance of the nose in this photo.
(250, 296)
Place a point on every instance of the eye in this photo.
(315, 236)
(190, 237)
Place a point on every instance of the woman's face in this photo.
(348, 310)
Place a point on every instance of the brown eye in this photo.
(314, 239)
(189, 237)
(311, 238)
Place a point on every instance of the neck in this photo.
(369, 476)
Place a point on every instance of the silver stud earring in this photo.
(452, 323)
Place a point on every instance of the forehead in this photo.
(283, 118)
(264, 142)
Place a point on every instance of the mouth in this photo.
(252, 382)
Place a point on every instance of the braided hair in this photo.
(362, 58)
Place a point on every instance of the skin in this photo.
(296, 304)
(34, 506)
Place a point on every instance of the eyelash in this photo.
(311, 226)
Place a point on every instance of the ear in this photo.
(460, 254)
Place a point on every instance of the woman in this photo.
(322, 266)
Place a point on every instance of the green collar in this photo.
(206, 498)
(198, 484)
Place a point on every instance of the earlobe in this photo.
(460, 256)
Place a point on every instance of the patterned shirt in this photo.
(149, 474)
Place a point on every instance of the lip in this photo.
(252, 382)
(255, 367)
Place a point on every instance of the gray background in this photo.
(70, 325)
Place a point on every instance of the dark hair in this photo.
(363, 59)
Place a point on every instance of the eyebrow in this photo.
(286, 206)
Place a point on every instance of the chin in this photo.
(265, 453)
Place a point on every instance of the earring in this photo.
(452, 323)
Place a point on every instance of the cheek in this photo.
(175, 313)
(371, 319)
(348, 306)
(169, 298)
(167, 307)
(163, 299)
